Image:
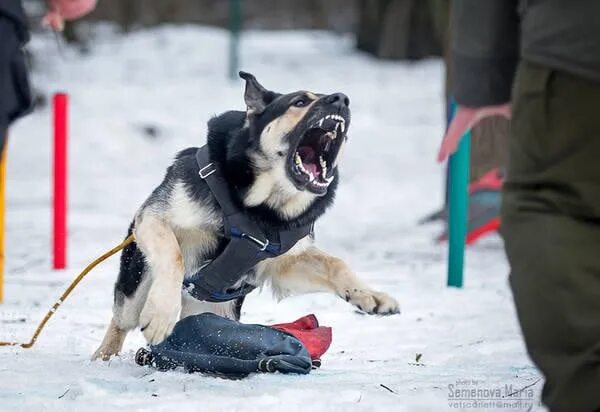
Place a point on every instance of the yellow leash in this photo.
(68, 291)
(2, 211)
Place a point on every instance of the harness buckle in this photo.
(207, 170)
(263, 245)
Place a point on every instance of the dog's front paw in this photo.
(372, 302)
(160, 314)
(103, 353)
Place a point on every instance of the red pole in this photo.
(59, 244)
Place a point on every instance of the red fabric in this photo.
(315, 338)
(475, 234)
(492, 180)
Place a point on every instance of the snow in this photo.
(173, 79)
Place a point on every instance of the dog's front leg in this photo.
(159, 245)
(312, 270)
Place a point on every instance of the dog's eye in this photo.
(301, 102)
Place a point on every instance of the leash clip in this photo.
(207, 170)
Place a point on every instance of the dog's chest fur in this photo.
(196, 225)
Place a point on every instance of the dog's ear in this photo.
(255, 95)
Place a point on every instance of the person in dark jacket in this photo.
(15, 95)
(548, 53)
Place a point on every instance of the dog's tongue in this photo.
(307, 154)
(312, 168)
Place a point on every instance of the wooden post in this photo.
(59, 243)
(2, 211)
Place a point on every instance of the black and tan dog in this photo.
(279, 159)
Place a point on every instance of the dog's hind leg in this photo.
(130, 294)
(126, 314)
(112, 342)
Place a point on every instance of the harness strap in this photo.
(248, 243)
(210, 173)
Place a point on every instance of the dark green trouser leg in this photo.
(551, 227)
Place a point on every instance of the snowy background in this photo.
(172, 80)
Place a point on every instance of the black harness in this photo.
(248, 243)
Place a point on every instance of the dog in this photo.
(279, 159)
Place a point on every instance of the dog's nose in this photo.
(338, 99)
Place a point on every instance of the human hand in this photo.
(61, 10)
(464, 119)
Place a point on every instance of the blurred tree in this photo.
(70, 33)
(337, 15)
(397, 29)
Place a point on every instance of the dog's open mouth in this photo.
(314, 158)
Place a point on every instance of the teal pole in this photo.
(458, 205)
(235, 18)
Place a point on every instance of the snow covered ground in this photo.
(172, 80)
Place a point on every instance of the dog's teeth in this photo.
(323, 166)
(321, 122)
(297, 159)
(343, 127)
(321, 184)
(301, 167)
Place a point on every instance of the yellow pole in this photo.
(2, 209)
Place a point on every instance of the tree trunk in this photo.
(397, 29)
